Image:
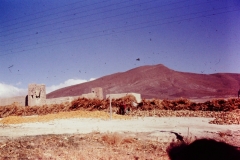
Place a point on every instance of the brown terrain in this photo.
(84, 129)
(158, 81)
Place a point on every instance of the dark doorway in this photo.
(26, 100)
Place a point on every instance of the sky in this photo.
(64, 42)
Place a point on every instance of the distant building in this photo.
(37, 97)
(96, 93)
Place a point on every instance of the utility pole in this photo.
(110, 107)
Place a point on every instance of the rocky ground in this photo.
(135, 136)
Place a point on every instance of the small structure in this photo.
(96, 93)
(36, 95)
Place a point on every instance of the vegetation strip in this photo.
(224, 111)
(60, 115)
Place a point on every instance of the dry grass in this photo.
(96, 145)
(108, 145)
(98, 109)
(60, 115)
(220, 117)
(103, 105)
(92, 146)
(83, 146)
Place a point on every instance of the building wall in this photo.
(120, 95)
(98, 92)
(60, 100)
(37, 97)
(20, 100)
(88, 96)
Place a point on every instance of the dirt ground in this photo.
(186, 126)
(93, 138)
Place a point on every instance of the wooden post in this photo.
(110, 107)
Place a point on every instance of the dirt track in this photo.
(186, 126)
(92, 138)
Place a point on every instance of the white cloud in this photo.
(91, 79)
(7, 90)
(68, 82)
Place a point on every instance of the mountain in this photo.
(158, 81)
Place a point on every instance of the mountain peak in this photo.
(158, 81)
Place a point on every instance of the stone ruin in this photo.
(95, 93)
(98, 92)
(36, 95)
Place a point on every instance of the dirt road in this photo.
(186, 126)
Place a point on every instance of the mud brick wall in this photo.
(37, 97)
(98, 92)
(20, 100)
(61, 100)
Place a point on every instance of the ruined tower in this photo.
(98, 92)
(36, 94)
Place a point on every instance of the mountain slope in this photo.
(158, 81)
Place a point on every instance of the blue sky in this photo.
(65, 42)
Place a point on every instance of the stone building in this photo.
(96, 93)
(36, 95)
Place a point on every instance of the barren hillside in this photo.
(158, 81)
